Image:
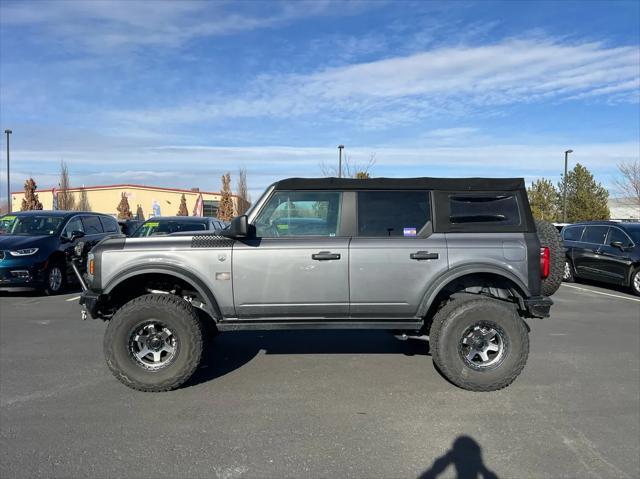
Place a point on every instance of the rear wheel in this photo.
(635, 282)
(154, 343)
(568, 275)
(478, 343)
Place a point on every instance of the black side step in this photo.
(249, 325)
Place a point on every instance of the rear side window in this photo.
(92, 225)
(595, 234)
(109, 225)
(393, 213)
(497, 209)
(572, 233)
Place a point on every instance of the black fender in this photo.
(199, 285)
(451, 275)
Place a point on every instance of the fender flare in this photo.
(476, 268)
(212, 304)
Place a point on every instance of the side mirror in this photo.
(239, 227)
(617, 244)
(76, 235)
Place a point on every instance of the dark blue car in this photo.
(36, 247)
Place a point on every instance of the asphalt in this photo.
(359, 404)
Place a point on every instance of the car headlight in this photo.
(24, 252)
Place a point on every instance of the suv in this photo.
(605, 251)
(457, 259)
(37, 246)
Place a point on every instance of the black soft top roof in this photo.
(424, 183)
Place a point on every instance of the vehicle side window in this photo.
(572, 233)
(496, 209)
(110, 225)
(92, 225)
(74, 224)
(392, 213)
(595, 234)
(299, 213)
(616, 234)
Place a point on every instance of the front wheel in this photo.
(479, 343)
(154, 343)
(55, 279)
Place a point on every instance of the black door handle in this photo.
(325, 256)
(424, 255)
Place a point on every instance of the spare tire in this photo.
(550, 238)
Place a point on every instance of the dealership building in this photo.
(154, 201)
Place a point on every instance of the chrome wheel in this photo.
(153, 346)
(567, 271)
(483, 346)
(55, 278)
(636, 282)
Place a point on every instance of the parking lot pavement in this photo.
(322, 403)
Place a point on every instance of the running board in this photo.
(249, 325)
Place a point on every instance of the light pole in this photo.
(8, 132)
(564, 187)
(340, 148)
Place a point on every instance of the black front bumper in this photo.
(538, 306)
(92, 303)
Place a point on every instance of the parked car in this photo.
(5, 223)
(128, 227)
(604, 251)
(460, 260)
(164, 225)
(35, 251)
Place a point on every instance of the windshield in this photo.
(165, 227)
(5, 223)
(35, 225)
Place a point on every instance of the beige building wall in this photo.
(105, 199)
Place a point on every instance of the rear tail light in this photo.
(545, 262)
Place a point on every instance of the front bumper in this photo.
(538, 306)
(21, 274)
(92, 302)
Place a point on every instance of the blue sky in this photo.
(176, 93)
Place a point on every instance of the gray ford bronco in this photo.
(459, 260)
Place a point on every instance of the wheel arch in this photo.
(133, 276)
(482, 274)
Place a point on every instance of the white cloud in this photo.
(450, 80)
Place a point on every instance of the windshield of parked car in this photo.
(5, 223)
(35, 225)
(165, 227)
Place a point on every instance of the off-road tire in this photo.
(550, 238)
(448, 328)
(179, 316)
(635, 290)
(47, 288)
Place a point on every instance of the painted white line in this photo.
(75, 298)
(600, 292)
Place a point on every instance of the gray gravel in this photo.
(323, 403)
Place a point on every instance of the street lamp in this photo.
(340, 148)
(8, 132)
(564, 181)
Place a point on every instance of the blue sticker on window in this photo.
(409, 232)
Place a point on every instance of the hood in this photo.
(13, 242)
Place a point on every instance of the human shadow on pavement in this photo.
(466, 457)
(231, 350)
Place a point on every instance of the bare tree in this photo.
(182, 209)
(350, 169)
(242, 191)
(84, 205)
(225, 210)
(628, 184)
(30, 200)
(66, 199)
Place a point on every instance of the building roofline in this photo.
(127, 185)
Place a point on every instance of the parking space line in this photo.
(600, 292)
(75, 298)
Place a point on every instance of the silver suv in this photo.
(459, 260)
